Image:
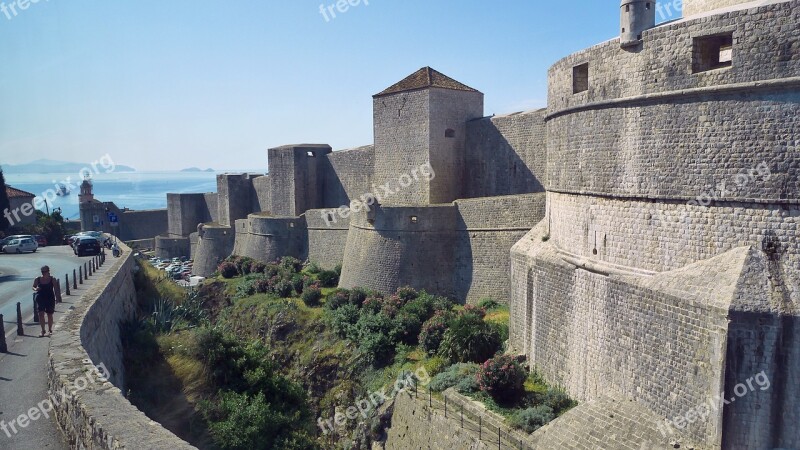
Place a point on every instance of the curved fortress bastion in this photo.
(666, 268)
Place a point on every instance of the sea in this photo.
(132, 190)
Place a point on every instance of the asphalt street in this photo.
(23, 371)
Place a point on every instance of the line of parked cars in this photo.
(20, 243)
(176, 268)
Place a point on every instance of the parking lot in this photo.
(17, 273)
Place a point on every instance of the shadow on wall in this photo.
(495, 166)
(462, 272)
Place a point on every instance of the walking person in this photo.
(47, 291)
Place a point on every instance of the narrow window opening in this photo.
(647, 6)
(627, 8)
(580, 78)
(712, 52)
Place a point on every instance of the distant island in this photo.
(51, 166)
(196, 169)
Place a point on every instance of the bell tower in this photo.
(86, 195)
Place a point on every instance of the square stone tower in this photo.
(422, 120)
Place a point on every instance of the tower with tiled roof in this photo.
(421, 121)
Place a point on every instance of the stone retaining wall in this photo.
(95, 414)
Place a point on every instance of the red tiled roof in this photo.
(13, 192)
(425, 78)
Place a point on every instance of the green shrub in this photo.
(338, 270)
(312, 296)
(469, 339)
(313, 268)
(291, 264)
(502, 377)
(373, 303)
(257, 267)
(282, 289)
(298, 283)
(228, 270)
(468, 385)
(343, 320)
(337, 299)
(407, 327)
(372, 334)
(328, 278)
(487, 304)
(243, 264)
(532, 419)
(357, 296)
(262, 286)
(407, 294)
(557, 400)
(452, 376)
(442, 304)
(432, 332)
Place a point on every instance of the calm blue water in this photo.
(135, 190)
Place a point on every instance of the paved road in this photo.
(23, 371)
(17, 273)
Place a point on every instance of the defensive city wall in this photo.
(643, 227)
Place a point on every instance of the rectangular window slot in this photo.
(580, 78)
(414, 219)
(712, 52)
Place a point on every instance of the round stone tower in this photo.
(636, 16)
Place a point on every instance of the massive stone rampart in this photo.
(505, 155)
(96, 415)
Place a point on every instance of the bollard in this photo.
(498, 438)
(462, 416)
(3, 346)
(480, 428)
(85, 271)
(91, 268)
(66, 278)
(80, 274)
(74, 280)
(430, 398)
(35, 310)
(20, 331)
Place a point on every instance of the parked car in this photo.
(87, 245)
(41, 240)
(26, 244)
(8, 239)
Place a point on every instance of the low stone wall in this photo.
(92, 413)
(415, 426)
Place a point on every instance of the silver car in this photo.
(21, 245)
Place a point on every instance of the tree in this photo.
(4, 203)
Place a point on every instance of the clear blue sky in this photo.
(162, 85)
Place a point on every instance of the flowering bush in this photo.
(433, 331)
(312, 296)
(373, 303)
(228, 270)
(257, 267)
(262, 285)
(502, 377)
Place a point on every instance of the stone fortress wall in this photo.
(660, 266)
(696, 296)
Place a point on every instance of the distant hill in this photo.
(50, 166)
(195, 169)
